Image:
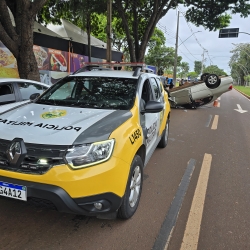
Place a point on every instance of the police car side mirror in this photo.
(153, 107)
(34, 96)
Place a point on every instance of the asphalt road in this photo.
(195, 194)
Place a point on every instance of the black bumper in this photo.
(64, 203)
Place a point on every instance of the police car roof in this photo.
(111, 73)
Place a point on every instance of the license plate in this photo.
(13, 191)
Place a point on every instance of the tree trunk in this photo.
(17, 36)
(26, 61)
(89, 35)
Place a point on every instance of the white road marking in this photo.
(192, 231)
(215, 122)
(240, 110)
(209, 121)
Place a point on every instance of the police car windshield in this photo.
(92, 92)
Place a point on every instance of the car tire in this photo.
(204, 76)
(164, 138)
(133, 190)
(212, 81)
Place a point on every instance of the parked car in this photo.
(82, 145)
(196, 94)
(14, 91)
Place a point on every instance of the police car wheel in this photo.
(133, 190)
(164, 138)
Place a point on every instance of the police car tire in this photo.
(164, 138)
(126, 209)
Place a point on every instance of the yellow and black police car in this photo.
(82, 145)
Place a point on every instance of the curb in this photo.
(247, 96)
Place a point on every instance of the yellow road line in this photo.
(215, 122)
(218, 105)
(192, 231)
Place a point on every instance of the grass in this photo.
(245, 90)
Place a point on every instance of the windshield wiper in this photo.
(49, 102)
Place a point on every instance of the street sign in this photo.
(229, 33)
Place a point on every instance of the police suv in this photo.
(82, 145)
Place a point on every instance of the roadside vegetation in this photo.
(245, 90)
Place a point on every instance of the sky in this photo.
(192, 49)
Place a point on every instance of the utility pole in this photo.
(176, 49)
(203, 59)
(109, 30)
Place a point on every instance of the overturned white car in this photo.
(196, 94)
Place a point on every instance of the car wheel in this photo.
(204, 76)
(212, 81)
(164, 138)
(133, 190)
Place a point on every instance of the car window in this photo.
(63, 93)
(92, 92)
(7, 93)
(27, 89)
(146, 92)
(155, 88)
(6, 89)
(159, 84)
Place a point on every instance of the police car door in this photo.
(149, 121)
(157, 95)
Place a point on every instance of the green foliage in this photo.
(245, 90)
(214, 69)
(157, 39)
(240, 62)
(75, 11)
(161, 56)
(197, 67)
(212, 14)
(183, 69)
(134, 22)
(192, 74)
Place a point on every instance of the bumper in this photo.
(64, 203)
(76, 191)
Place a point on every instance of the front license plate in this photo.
(13, 191)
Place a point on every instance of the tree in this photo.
(138, 21)
(139, 18)
(161, 56)
(17, 19)
(213, 69)
(83, 13)
(183, 69)
(197, 67)
(192, 74)
(240, 62)
(212, 14)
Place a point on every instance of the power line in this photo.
(167, 32)
(184, 15)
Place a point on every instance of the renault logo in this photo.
(16, 152)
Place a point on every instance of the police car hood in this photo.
(57, 125)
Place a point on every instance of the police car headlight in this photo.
(87, 155)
